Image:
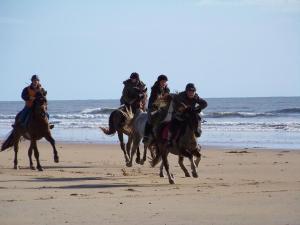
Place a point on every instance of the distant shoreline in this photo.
(116, 99)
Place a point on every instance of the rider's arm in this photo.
(201, 102)
(153, 97)
(125, 94)
(43, 92)
(25, 95)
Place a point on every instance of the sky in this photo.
(85, 49)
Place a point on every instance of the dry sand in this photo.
(91, 185)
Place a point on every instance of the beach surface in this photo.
(92, 185)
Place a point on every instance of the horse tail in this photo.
(111, 129)
(9, 142)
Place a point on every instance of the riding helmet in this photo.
(135, 75)
(190, 87)
(35, 77)
(162, 77)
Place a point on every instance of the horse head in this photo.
(140, 96)
(40, 105)
(193, 120)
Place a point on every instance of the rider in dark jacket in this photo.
(183, 101)
(131, 86)
(158, 91)
(28, 95)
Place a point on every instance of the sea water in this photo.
(239, 122)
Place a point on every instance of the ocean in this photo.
(272, 122)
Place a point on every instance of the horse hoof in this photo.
(138, 161)
(16, 167)
(129, 164)
(56, 159)
(142, 162)
(40, 168)
(197, 162)
(32, 167)
(187, 175)
(171, 182)
(161, 175)
(195, 175)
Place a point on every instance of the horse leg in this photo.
(138, 155)
(166, 165)
(136, 142)
(128, 145)
(193, 166)
(52, 142)
(198, 158)
(144, 155)
(36, 155)
(161, 170)
(180, 162)
(122, 144)
(16, 149)
(30, 156)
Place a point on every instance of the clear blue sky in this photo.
(85, 49)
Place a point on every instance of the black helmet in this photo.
(135, 75)
(162, 77)
(35, 77)
(190, 87)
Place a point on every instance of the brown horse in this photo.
(37, 128)
(120, 121)
(184, 145)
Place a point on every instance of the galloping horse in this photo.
(120, 121)
(184, 144)
(37, 128)
(139, 124)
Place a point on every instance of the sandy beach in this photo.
(92, 185)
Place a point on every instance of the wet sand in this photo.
(92, 185)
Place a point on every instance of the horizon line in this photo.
(110, 99)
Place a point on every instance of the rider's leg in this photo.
(22, 117)
(28, 114)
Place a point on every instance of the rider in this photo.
(28, 95)
(185, 100)
(131, 86)
(158, 92)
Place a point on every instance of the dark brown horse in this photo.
(120, 121)
(37, 128)
(184, 145)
